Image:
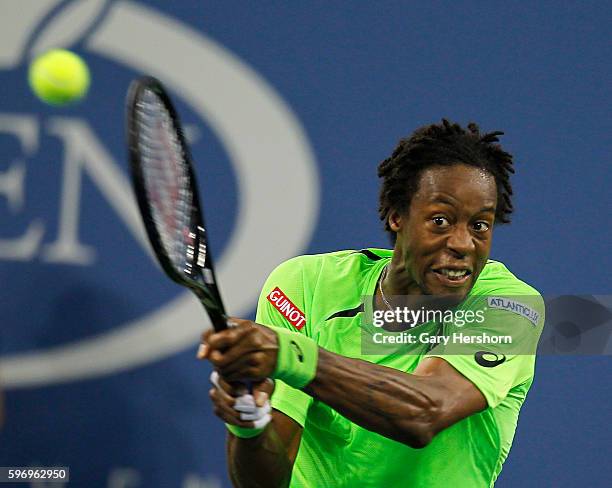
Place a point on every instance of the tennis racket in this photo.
(165, 186)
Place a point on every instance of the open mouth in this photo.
(452, 276)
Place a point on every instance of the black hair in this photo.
(443, 144)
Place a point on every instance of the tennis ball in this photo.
(59, 77)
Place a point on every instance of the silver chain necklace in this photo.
(382, 293)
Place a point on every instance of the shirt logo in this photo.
(514, 307)
(298, 351)
(286, 307)
(489, 359)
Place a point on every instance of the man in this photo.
(435, 412)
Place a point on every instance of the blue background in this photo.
(358, 75)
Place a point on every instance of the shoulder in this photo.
(497, 278)
(332, 264)
(319, 284)
(505, 291)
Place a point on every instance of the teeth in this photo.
(453, 273)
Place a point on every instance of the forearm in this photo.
(409, 408)
(261, 461)
(403, 407)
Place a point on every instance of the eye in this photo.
(440, 221)
(481, 226)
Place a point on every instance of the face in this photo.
(444, 239)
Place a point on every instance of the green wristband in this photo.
(296, 364)
(244, 432)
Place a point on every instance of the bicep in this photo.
(459, 397)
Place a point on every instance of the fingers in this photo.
(262, 391)
(243, 351)
(214, 379)
(227, 338)
(203, 349)
(246, 350)
(231, 323)
(233, 404)
(233, 390)
(225, 412)
(215, 343)
(224, 402)
(245, 366)
(258, 397)
(259, 413)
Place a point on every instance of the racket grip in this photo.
(214, 308)
(218, 319)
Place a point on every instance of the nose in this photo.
(460, 241)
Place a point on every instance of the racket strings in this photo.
(166, 179)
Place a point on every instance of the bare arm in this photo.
(409, 408)
(266, 460)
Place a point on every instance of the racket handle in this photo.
(213, 308)
(219, 322)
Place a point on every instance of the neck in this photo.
(396, 288)
(397, 279)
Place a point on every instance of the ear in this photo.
(395, 220)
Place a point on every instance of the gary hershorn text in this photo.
(427, 338)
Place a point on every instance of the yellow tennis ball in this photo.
(59, 77)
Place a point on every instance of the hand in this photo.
(245, 351)
(236, 406)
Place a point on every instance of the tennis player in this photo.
(370, 393)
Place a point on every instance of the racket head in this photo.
(166, 190)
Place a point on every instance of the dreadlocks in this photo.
(443, 144)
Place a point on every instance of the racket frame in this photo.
(199, 274)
